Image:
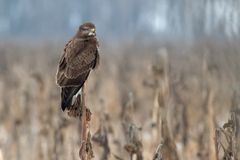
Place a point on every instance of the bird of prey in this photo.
(79, 58)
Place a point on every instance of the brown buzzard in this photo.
(79, 58)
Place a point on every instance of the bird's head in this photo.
(87, 30)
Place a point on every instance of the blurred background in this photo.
(169, 69)
(121, 19)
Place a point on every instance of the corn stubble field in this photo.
(165, 101)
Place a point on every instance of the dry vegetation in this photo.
(160, 101)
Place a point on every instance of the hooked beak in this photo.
(92, 32)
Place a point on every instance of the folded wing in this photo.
(74, 67)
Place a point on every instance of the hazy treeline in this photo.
(121, 18)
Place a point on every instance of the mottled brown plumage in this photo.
(79, 58)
